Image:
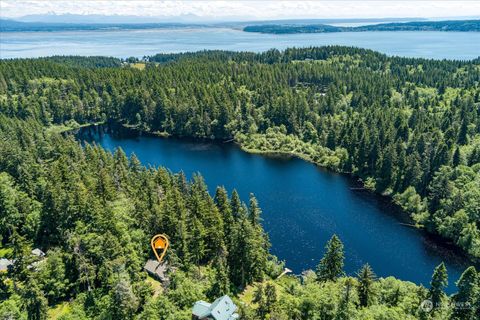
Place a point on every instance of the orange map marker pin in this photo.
(159, 242)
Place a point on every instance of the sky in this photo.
(247, 9)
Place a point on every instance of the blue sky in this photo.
(247, 9)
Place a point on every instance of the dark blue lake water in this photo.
(303, 205)
(138, 43)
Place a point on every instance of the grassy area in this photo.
(156, 286)
(163, 134)
(273, 152)
(138, 65)
(59, 128)
(247, 294)
(5, 252)
(58, 310)
(280, 285)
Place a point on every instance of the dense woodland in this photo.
(409, 128)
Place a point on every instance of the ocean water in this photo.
(138, 43)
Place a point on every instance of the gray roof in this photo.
(221, 309)
(5, 263)
(37, 252)
(156, 269)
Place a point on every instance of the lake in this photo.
(303, 205)
(138, 43)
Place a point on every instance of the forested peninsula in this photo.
(449, 25)
(408, 128)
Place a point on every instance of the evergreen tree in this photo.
(221, 285)
(474, 156)
(462, 135)
(331, 265)
(254, 211)
(236, 206)
(464, 307)
(223, 204)
(35, 302)
(386, 169)
(265, 297)
(437, 285)
(270, 297)
(124, 303)
(259, 299)
(366, 278)
(22, 253)
(248, 259)
(345, 311)
(456, 157)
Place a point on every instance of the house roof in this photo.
(156, 269)
(221, 309)
(37, 252)
(201, 309)
(4, 264)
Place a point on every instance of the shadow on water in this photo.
(303, 205)
(434, 244)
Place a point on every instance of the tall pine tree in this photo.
(366, 278)
(437, 285)
(331, 265)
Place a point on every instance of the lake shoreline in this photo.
(404, 218)
(387, 197)
(61, 128)
(216, 158)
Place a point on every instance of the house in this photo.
(4, 264)
(38, 253)
(39, 259)
(221, 309)
(157, 270)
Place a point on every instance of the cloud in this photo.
(247, 9)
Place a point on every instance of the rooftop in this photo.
(5, 263)
(221, 309)
(39, 253)
(157, 269)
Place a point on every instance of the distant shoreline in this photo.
(273, 27)
(446, 26)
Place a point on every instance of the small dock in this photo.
(359, 189)
(285, 271)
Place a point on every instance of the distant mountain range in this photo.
(75, 22)
(100, 22)
(114, 19)
(17, 26)
(186, 18)
(452, 25)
